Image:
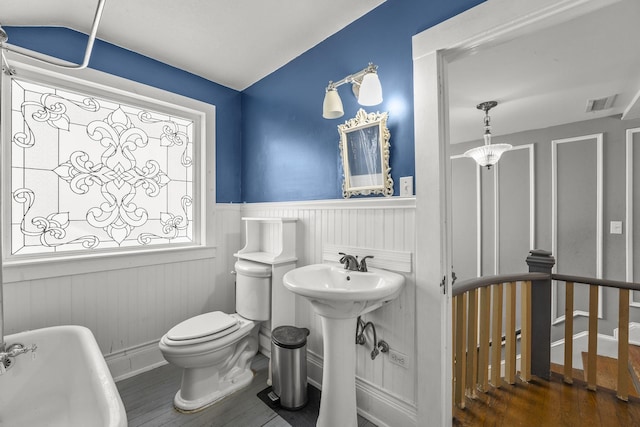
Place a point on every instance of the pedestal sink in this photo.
(339, 296)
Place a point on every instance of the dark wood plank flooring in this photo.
(541, 403)
(607, 373)
(148, 399)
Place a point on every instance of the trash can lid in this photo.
(289, 336)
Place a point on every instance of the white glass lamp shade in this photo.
(487, 155)
(370, 90)
(332, 105)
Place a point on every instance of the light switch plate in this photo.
(615, 227)
(406, 186)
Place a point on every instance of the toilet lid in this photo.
(214, 323)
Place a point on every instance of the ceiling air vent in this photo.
(600, 104)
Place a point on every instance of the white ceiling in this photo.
(231, 42)
(546, 78)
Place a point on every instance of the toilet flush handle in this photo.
(233, 272)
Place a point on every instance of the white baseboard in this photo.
(634, 333)
(134, 360)
(145, 357)
(374, 403)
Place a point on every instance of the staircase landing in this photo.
(548, 403)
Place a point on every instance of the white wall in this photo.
(129, 309)
(386, 392)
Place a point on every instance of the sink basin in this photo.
(336, 292)
(338, 296)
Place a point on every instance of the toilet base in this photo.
(226, 387)
(213, 369)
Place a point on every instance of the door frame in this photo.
(485, 25)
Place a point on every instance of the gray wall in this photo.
(501, 200)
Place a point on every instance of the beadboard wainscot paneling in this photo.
(385, 392)
(128, 306)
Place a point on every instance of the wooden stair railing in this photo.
(479, 306)
(478, 333)
(622, 389)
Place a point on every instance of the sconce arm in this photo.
(355, 78)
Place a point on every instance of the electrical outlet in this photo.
(398, 358)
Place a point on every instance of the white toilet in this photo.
(216, 349)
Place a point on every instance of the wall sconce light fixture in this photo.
(365, 85)
(487, 154)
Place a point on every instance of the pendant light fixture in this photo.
(487, 154)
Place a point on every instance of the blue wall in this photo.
(70, 45)
(289, 151)
(272, 143)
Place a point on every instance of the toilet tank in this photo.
(253, 290)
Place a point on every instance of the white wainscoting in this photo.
(386, 392)
(129, 309)
(578, 144)
(632, 177)
(511, 179)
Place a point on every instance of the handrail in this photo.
(479, 282)
(481, 305)
(598, 282)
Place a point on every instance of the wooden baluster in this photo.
(510, 331)
(568, 334)
(623, 345)
(496, 335)
(592, 366)
(485, 325)
(525, 337)
(461, 323)
(472, 344)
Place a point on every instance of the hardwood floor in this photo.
(543, 403)
(148, 399)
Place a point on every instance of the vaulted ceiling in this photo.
(231, 42)
(540, 80)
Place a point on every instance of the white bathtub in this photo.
(66, 384)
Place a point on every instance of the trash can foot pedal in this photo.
(274, 397)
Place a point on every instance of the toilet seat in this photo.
(202, 328)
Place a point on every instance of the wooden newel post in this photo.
(541, 261)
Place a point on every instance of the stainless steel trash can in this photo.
(289, 366)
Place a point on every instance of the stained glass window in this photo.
(91, 173)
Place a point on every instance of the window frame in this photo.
(94, 82)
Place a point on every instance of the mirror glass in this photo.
(364, 148)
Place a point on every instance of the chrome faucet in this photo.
(13, 351)
(363, 263)
(351, 262)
